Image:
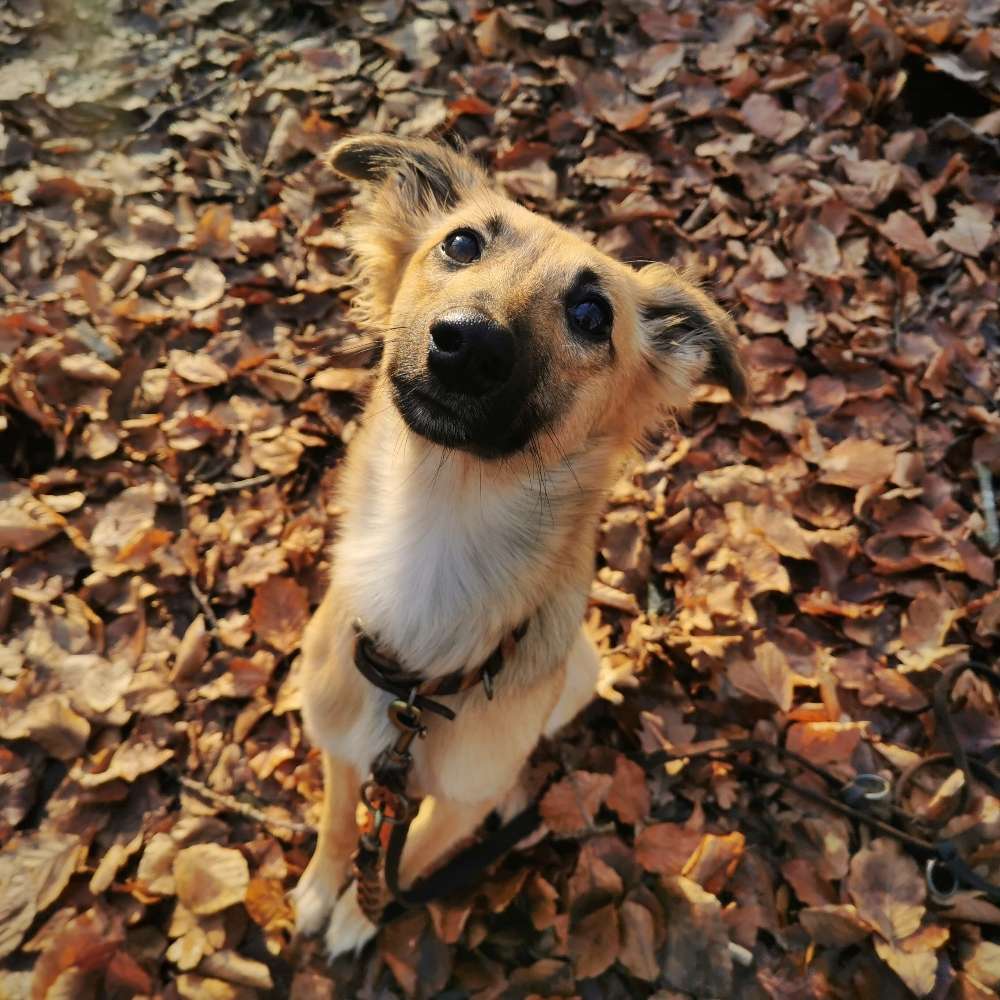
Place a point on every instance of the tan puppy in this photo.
(521, 365)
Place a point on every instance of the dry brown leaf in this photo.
(916, 966)
(904, 232)
(156, 866)
(279, 612)
(34, 870)
(192, 987)
(198, 369)
(714, 860)
(638, 944)
(983, 963)
(825, 743)
(767, 676)
(25, 522)
(836, 925)
(767, 118)
(206, 285)
(697, 958)
(665, 848)
(858, 463)
(570, 805)
(887, 889)
(342, 379)
(629, 793)
(235, 968)
(192, 651)
(971, 231)
(49, 721)
(594, 942)
(209, 877)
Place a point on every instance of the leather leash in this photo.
(388, 812)
(866, 800)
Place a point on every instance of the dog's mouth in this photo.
(454, 422)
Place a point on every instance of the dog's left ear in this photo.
(687, 338)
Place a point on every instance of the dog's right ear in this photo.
(421, 174)
(405, 184)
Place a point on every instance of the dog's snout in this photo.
(470, 353)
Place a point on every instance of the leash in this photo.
(388, 811)
(868, 799)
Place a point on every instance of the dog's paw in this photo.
(314, 897)
(349, 930)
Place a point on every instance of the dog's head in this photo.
(504, 330)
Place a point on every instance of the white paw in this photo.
(349, 930)
(314, 896)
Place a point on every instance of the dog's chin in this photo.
(450, 424)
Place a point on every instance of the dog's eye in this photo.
(462, 246)
(590, 317)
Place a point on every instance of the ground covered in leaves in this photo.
(178, 381)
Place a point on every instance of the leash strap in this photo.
(388, 812)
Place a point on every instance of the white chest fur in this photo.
(439, 561)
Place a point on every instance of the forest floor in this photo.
(178, 378)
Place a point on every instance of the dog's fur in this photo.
(464, 517)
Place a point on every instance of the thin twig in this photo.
(992, 534)
(591, 832)
(228, 803)
(240, 484)
(206, 607)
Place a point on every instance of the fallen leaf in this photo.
(834, 925)
(825, 743)
(971, 231)
(767, 118)
(206, 285)
(34, 870)
(665, 848)
(279, 612)
(767, 676)
(594, 942)
(983, 963)
(570, 805)
(210, 878)
(697, 959)
(628, 795)
(856, 463)
(903, 231)
(638, 946)
(887, 889)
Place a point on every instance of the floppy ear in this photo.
(687, 338)
(404, 184)
(423, 174)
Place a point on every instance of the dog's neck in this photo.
(441, 554)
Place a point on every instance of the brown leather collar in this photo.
(386, 673)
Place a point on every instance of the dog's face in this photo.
(504, 331)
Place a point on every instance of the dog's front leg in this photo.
(316, 893)
(440, 825)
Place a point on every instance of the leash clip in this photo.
(400, 807)
(942, 883)
(867, 791)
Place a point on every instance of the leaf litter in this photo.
(178, 382)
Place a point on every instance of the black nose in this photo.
(470, 353)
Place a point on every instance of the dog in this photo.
(520, 367)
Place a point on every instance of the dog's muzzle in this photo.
(470, 354)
